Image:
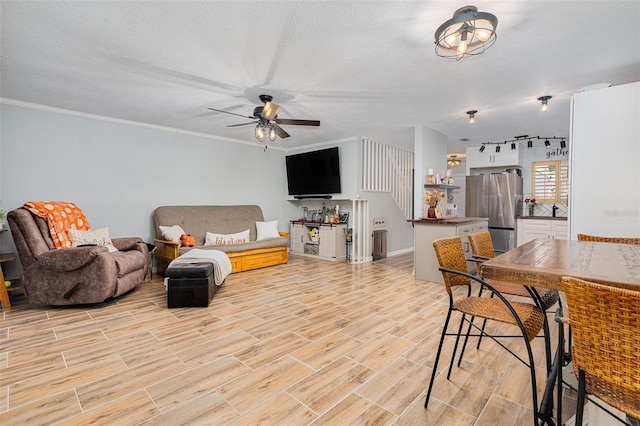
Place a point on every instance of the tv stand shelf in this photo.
(330, 241)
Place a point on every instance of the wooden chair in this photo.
(606, 356)
(482, 249)
(618, 240)
(527, 317)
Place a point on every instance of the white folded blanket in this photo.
(219, 259)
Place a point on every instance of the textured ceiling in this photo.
(364, 68)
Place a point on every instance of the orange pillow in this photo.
(187, 240)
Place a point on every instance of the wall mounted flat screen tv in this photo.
(314, 173)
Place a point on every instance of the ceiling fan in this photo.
(267, 122)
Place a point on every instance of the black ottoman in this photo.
(190, 285)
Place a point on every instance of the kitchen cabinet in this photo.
(329, 244)
(530, 229)
(426, 231)
(489, 158)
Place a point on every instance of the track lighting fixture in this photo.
(547, 144)
(468, 33)
(482, 148)
(513, 146)
(497, 148)
(563, 144)
(472, 116)
(545, 103)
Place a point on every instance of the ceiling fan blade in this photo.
(294, 122)
(281, 132)
(241, 124)
(232, 113)
(270, 110)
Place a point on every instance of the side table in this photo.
(4, 291)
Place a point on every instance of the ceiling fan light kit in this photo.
(267, 122)
(468, 33)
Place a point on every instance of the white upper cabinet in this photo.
(489, 158)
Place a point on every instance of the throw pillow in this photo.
(222, 239)
(172, 233)
(267, 230)
(187, 240)
(98, 236)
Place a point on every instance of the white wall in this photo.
(118, 173)
(430, 153)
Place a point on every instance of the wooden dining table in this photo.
(543, 263)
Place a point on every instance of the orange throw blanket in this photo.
(60, 217)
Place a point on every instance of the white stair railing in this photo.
(389, 169)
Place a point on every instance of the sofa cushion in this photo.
(97, 236)
(172, 233)
(267, 230)
(198, 220)
(213, 239)
(129, 261)
(251, 245)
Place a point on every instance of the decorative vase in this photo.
(531, 208)
(431, 213)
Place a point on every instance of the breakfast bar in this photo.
(427, 230)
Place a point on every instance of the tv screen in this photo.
(314, 173)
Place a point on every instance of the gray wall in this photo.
(119, 172)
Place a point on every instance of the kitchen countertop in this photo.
(449, 220)
(541, 217)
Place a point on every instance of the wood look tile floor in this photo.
(309, 342)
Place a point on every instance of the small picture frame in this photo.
(344, 217)
(312, 216)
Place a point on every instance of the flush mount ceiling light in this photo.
(454, 159)
(472, 116)
(468, 33)
(545, 103)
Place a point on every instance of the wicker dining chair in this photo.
(527, 317)
(618, 240)
(482, 249)
(606, 345)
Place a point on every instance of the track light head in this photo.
(530, 144)
(547, 144)
(482, 148)
(563, 144)
(497, 148)
(513, 146)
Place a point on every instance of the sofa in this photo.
(77, 275)
(197, 221)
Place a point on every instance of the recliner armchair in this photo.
(77, 275)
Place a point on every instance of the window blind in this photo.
(549, 182)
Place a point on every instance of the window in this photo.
(549, 182)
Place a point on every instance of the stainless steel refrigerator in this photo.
(497, 196)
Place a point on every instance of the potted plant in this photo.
(3, 215)
(348, 234)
